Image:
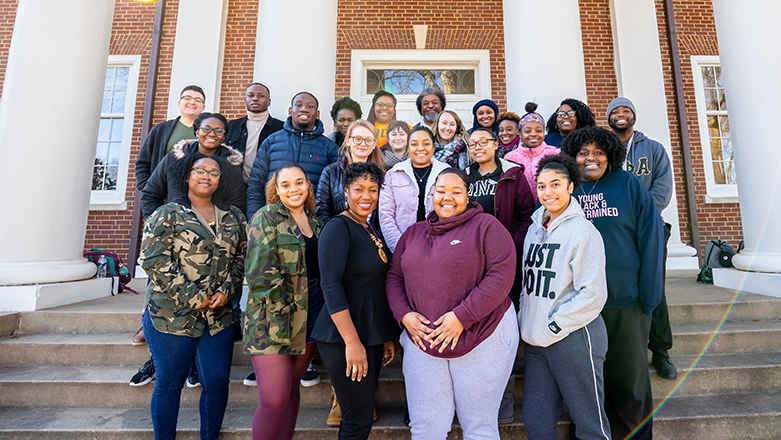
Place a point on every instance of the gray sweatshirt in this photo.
(647, 159)
(564, 284)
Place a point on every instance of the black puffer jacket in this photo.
(153, 150)
(330, 199)
(310, 149)
(159, 190)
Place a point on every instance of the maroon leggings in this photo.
(279, 393)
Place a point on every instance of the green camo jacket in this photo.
(186, 261)
(275, 321)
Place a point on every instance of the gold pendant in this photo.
(382, 255)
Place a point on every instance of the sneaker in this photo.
(145, 374)
(250, 380)
(192, 378)
(311, 377)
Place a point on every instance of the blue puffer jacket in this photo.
(310, 149)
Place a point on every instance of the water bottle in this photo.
(102, 266)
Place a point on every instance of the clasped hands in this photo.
(217, 300)
(446, 333)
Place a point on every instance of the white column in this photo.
(547, 32)
(638, 59)
(750, 62)
(198, 51)
(295, 51)
(49, 117)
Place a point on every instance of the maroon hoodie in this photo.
(464, 263)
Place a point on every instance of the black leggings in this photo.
(355, 398)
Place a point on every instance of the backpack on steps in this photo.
(114, 267)
(718, 254)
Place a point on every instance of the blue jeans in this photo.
(173, 355)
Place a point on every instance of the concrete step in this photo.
(731, 417)
(755, 336)
(118, 424)
(747, 416)
(107, 386)
(721, 374)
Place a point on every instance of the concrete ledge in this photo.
(755, 282)
(42, 296)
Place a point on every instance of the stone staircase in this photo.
(64, 373)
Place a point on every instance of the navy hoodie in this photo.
(623, 211)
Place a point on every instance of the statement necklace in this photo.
(374, 238)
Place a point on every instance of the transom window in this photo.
(412, 82)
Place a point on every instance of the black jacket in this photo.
(310, 149)
(237, 132)
(153, 151)
(159, 190)
(329, 199)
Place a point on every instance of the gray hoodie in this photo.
(564, 284)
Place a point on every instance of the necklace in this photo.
(421, 179)
(591, 190)
(374, 238)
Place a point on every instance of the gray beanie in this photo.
(620, 102)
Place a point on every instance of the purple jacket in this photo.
(398, 204)
(464, 264)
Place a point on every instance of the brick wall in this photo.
(696, 36)
(7, 17)
(455, 24)
(599, 63)
(239, 60)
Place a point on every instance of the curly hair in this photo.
(356, 170)
(371, 117)
(204, 116)
(606, 140)
(563, 164)
(179, 173)
(272, 196)
(508, 116)
(429, 91)
(344, 149)
(347, 103)
(583, 114)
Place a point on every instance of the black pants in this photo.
(660, 339)
(628, 399)
(355, 398)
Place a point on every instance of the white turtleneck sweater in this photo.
(255, 124)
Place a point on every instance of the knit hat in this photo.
(531, 115)
(489, 103)
(620, 102)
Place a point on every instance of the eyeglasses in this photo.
(480, 142)
(366, 141)
(217, 131)
(188, 98)
(568, 114)
(201, 173)
(381, 105)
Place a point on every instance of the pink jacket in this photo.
(398, 204)
(530, 158)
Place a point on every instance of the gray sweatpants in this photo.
(471, 385)
(572, 369)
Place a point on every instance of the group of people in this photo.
(456, 244)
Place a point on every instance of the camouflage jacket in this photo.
(275, 321)
(186, 262)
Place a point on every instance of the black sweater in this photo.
(352, 276)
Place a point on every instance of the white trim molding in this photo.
(116, 198)
(477, 59)
(716, 193)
